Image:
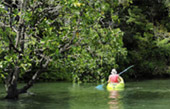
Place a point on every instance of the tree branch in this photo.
(30, 83)
(68, 45)
(11, 45)
(34, 77)
(45, 12)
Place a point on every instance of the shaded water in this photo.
(152, 94)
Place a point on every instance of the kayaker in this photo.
(114, 77)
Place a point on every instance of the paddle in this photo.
(126, 69)
(100, 87)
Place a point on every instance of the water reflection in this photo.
(24, 103)
(115, 100)
(50, 96)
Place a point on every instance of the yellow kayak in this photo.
(116, 86)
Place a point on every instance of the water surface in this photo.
(150, 94)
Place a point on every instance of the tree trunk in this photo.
(11, 84)
(12, 92)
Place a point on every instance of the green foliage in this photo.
(96, 48)
(78, 37)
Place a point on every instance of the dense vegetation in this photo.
(82, 41)
(145, 24)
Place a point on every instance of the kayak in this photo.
(116, 86)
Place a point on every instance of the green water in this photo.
(152, 94)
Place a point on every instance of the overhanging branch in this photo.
(34, 77)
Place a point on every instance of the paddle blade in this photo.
(100, 87)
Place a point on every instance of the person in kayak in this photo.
(114, 77)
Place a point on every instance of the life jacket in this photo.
(114, 78)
